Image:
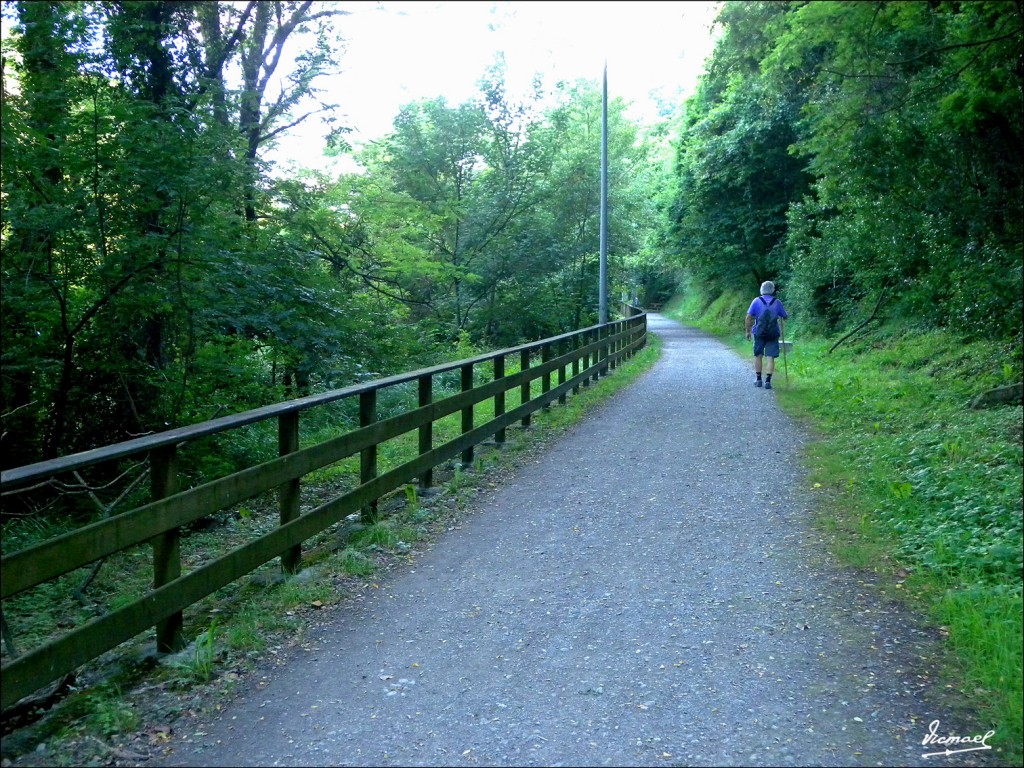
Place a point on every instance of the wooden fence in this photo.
(574, 359)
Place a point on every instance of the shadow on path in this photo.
(648, 592)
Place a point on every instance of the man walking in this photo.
(765, 325)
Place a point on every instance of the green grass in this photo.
(355, 562)
(916, 486)
(197, 662)
(104, 711)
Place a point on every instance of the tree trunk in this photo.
(47, 67)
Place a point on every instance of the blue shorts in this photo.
(767, 348)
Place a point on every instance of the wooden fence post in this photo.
(563, 349)
(426, 397)
(368, 456)
(576, 344)
(524, 390)
(288, 493)
(467, 413)
(612, 345)
(499, 398)
(163, 467)
(545, 381)
(602, 352)
(588, 336)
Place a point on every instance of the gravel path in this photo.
(648, 592)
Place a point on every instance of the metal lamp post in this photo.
(603, 272)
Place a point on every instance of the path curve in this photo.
(674, 608)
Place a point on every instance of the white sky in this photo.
(397, 52)
(402, 51)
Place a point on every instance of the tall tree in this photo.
(861, 151)
(913, 132)
(38, 214)
(736, 176)
(130, 174)
(572, 199)
(466, 175)
(260, 120)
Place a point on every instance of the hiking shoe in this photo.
(767, 385)
(757, 383)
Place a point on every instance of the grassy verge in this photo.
(917, 486)
(127, 702)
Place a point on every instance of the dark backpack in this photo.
(768, 321)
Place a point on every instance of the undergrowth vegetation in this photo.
(914, 483)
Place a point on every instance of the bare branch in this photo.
(281, 129)
(874, 312)
(274, 50)
(237, 34)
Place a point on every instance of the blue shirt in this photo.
(757, 307)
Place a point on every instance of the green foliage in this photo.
(246, 635)
(498, 233)
(23, 532)
(156, 274)
(720, 313)
(412, 499)
(908, 195)
(862, 154)
(943, 479)
(735, 175)
(136, 280)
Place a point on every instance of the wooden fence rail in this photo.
(576, 358)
